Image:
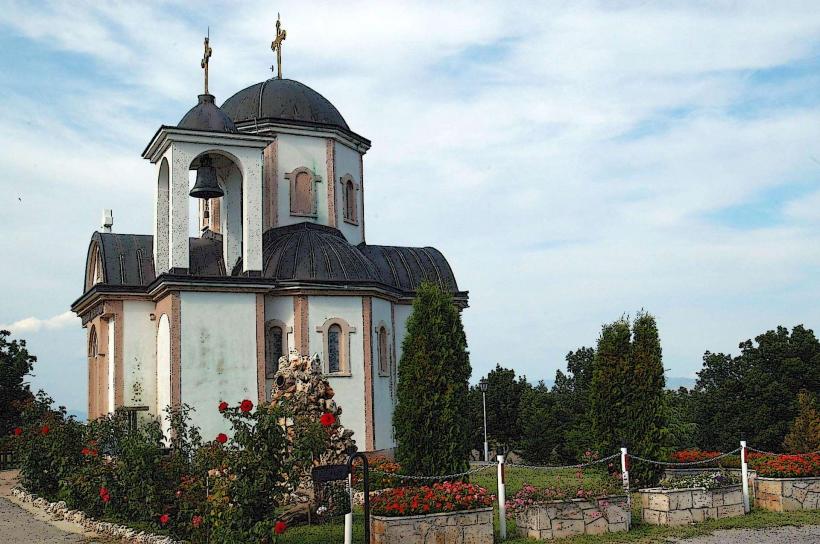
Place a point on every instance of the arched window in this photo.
(349, 188)
(334, 344)
(302, 193)
(275, 347)
(93, 348)
(384, 357)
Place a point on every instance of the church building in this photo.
(280, 262)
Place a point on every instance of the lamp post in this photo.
(483, 386)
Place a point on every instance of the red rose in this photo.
(246, 406)
(221, 438)
(196, 521)
(223, 406)
(105, 495)
(85, 451)
(18, 431)
(280, 527)
(44, 429)
(164, 518)
(327, 419)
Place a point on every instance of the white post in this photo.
(625, 479)
(502, 500)
(486, 449)
(745, 476)
(349, 515)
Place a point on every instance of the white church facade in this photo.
(281, 262)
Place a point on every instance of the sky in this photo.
(575, 161)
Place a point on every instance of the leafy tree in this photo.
(541, 433)
(804, 431)
(753, 396)
(432, 426)
(15, 363)
(680, 409)
(572, 409)
(504, 393)
(627, 395)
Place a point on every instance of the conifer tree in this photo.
(627, 392)
(431, 419)
(804, 431)
(15, 363)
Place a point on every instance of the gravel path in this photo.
(775, 535)
(17, 525)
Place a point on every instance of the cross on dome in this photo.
(276, 46)
(206, 57)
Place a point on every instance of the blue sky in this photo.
(575, 161)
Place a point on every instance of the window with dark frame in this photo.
(334, 339)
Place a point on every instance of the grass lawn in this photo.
(640, 533)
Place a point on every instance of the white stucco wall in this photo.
(139, 355)
(112, 324)
(347, 162)
(281, 309)
(402, 314)
(293, 152)
(382, 397)
(163, 379)
(349, 389)
(218, 355)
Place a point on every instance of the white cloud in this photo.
(34, 324)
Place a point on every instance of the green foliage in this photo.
(504, 394)
(432, 426)
(15, 363)
(708, 480)
(680, 408)
(539, 425)
(572, 406)
(627, 392)
(804, 431)
(754, 395)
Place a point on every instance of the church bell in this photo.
(206, 185)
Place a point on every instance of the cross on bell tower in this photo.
(205, 58)
(276, 46)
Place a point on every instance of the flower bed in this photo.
(691, 499)
(695, 455)
(452, 512)
(568, 509)
(788, 482)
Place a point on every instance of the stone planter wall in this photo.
(561, 519)
(787, 494)
(468, 527)
(684, 506)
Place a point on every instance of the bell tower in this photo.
(228, 169)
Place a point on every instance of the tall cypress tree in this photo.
(627, 392)
(431, 419)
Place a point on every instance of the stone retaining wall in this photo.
(684, 506)
(787, 494)
(559, 519)
(468, 527)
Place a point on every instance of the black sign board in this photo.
(330, 473)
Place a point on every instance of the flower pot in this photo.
(560, 519)
(787, 494)
(465, 527)
(676, 507)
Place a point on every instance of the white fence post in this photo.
(349, 515)
(745, 476)
(502, 500)
(625, 479)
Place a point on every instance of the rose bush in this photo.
(442, 497)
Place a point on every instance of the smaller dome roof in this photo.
(285, 100)
(206, 115)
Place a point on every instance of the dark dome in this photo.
(283, 99)
(311, 252)
(207, 116)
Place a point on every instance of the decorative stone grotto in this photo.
(787, 494)
(561, 519)
(684, 506)
(467, 527)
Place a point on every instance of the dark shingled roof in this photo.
(207, 116)
(304, 252)
(283, 100)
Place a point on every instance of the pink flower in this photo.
(196, 521)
